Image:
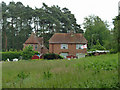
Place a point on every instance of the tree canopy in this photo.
(19, 21)
(96, 31)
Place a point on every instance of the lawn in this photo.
(90, 72)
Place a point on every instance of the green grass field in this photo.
(90, 72)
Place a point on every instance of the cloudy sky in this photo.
(105, 9)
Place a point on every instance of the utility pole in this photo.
(118, 38)
(118, 27)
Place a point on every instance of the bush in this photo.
(113, 51)
(98, 46)
(36, 52)
(52, 56)
(28, 52)
(11, 55)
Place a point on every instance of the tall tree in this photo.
(19, 21)
(16, 24)
(95, 29)
(4, 25)
(116, 34)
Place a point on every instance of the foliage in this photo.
(28, 52)
(116, 34)
(90, 72)
(96, 29)
(52, 56)
(98, 46)
(47, 75)
(36, 52)
(113, 51)
(11, 55)
(19, 21)
(16, 25)
(22, 76)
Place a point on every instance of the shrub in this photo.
(47, 75)
(11, 55)
(28, 52)
(36, 52)
(113, 51)
(52, 56)
(22, 76)
(98, 46)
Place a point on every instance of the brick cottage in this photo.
(67, 44)
(37, 43)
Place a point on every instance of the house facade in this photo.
(37, 43)
(67, 44)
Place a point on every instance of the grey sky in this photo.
(105, 9)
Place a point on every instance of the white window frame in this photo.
(78, 46)
(64, 46)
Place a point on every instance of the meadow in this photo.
(89, 72)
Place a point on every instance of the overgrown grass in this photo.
(90, 72)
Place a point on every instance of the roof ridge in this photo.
(67, 38)
(32, 39)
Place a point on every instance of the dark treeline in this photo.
(19, 21)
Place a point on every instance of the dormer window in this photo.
(64, 46)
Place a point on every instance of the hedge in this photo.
(51, 56)
(14, 54)
(11, 55)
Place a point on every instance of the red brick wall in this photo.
(44, 50)
(38, 47)
(56, 48)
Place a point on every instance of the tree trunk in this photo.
(5, 41)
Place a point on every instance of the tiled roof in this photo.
(40, 39)
(45, 50)
(33, 39)
(67, 38)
